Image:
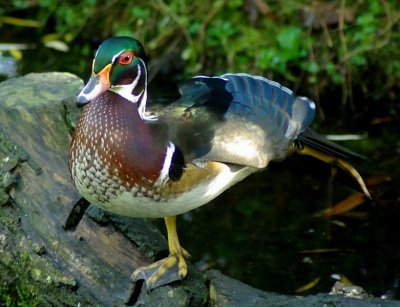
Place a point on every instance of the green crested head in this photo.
(120, 51)
(120, 66)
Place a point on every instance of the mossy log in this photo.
(44, 264)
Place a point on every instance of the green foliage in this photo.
(317, 45)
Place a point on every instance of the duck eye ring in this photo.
(126, 58)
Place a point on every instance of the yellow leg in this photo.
(166, 270)
(174, 246)
(306, 150)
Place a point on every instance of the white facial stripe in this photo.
(116, 56)
(167, 164)
(142, 106)
(112, 60)
(127, 89)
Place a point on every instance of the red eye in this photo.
(125, 58)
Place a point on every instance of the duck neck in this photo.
(135, 92)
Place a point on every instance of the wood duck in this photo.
(162, 161)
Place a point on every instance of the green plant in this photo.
(317, 45)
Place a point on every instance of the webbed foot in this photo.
(169, 269)
(162, 272)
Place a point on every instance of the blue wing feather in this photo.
(239, 118)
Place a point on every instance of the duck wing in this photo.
(235, 118)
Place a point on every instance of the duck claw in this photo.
(162, 272)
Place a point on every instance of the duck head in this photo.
(119, 66)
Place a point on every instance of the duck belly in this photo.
(198, 186)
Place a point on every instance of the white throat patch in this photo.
(127, 89)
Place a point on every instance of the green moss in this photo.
(16, 289)
(27, 278)
(29, 90)
(4, 197)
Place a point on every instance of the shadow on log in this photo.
(43, 264)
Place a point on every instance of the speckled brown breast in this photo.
(113, 150)
(116, 160)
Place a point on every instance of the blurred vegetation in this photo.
(312, 46)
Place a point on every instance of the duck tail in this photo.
(310, 143)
